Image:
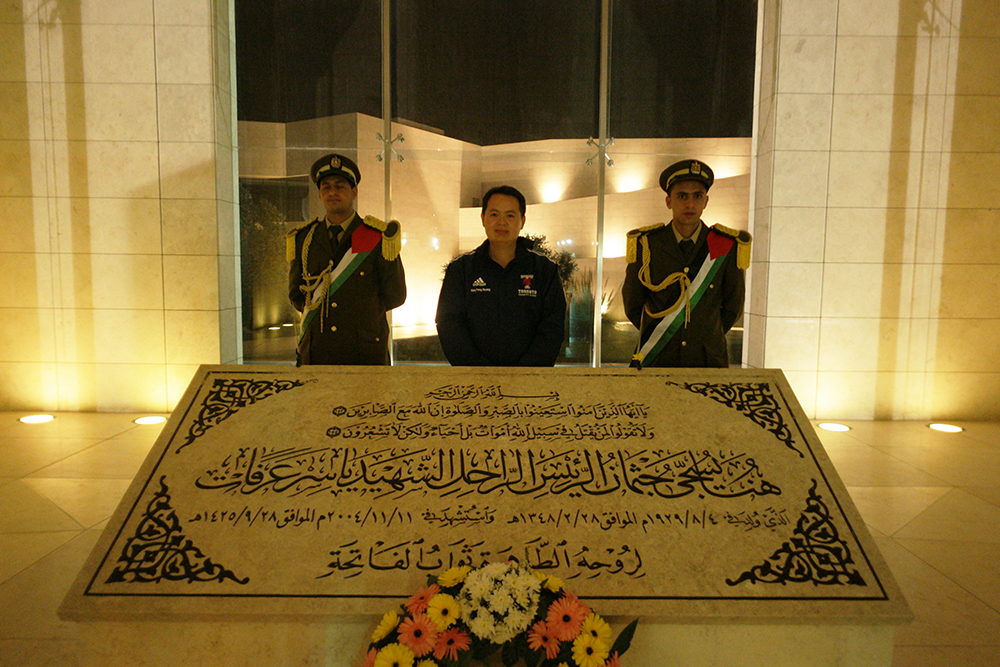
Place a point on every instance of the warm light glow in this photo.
(36, 419)
(288, 324)
(628, 183)
(552, 191)
(273, 328)
(830, 426)
(150, 420)
(614, 245)
(946, 428)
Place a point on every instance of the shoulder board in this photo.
(743, 238)
(392, 241)
(632, 240)
(290, 238)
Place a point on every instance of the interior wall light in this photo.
(36, 419)
(946, 428)
(832, 426)
(150, 420)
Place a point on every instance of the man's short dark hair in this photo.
(509, 191)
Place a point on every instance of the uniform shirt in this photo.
(489, 315)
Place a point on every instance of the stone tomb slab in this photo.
(697, 496)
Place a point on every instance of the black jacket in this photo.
(488, 315)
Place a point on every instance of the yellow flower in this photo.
(388, 623)
(588, 651)
(394, 655)
(554, 584)
(595, 625)
(444, 610)
(453, 576)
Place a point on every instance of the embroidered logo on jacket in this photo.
(526, 289)
(479, 285)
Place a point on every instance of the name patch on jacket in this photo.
(479, 285)
(526, 289)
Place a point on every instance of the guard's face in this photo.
(337, 196)
(502, 220)
(687, 200)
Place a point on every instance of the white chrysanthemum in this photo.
(499, 600)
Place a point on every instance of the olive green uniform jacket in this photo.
(350, 328)
(702, 343)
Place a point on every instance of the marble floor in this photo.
(931, 500)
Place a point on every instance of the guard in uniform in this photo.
(684, 284)
(345, 274)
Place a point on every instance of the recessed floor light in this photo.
(150, 420)
(830, 426)
(36, 419)
(946, 428)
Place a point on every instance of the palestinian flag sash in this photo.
(363, 241)
(718, 249)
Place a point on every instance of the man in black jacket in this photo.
(345, 273)
(503, 303)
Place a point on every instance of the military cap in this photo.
(335, 165)
(686, 170)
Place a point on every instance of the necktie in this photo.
(687, 245)
(335, 232)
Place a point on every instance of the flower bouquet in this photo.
(468, 614)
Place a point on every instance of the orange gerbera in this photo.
(540, 637)
(418, 634)
(370, 658)
(565, 617)
(613, 660)
(450, 642)
(418, 603)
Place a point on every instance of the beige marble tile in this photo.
(794, 289)
(178, 379)
(974, 127)
(978, 18)
(840, 290)
(945, 613)
(33, 288)
(858, 344)
(888, 508)
(805, 17)
(972, 565)
(19, 53)
(28, 385)
(189, 226)
(800, 178)
(858, 18)
(229, 282)
(862, 179)
(25, 225)
(869, 122)
(16, 176)
(22, 549)
(803, 383)
(102, 112)
(105, 53)
(191, 282)
(964, 232)
(18, 116)
(25, 511)
(186, 112)
(792, 343)
(864, 468)
(108, 460)
(964, 166)
(958, 300)
(27, 335)
(87, 501)
(844, 226)
(990, 494)
(115, 282)
(976, 68)
(966, 345)
(109, 226)
(68, 425)
(806, 64)
(933, 656)
(847, 395)
(957, 516)
(107, 169)
(185, 12)
(184, 54)
(803, 121)
(964, 394)
(192, 336)
(797, 234)
(20, 456)
(126, 12)
(129, 386)
(187, 170)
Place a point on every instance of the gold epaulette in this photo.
(743, 239)
(632, 241)
(290, 239)
(392, 238)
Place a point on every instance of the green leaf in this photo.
(624, 639)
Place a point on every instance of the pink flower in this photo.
(370, 658)
(418, 603)
(540, 637)
(450, 642)
(418, 634)
(566, 616)
(613, 660)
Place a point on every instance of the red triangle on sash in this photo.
(364, 239)
(719, 244)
